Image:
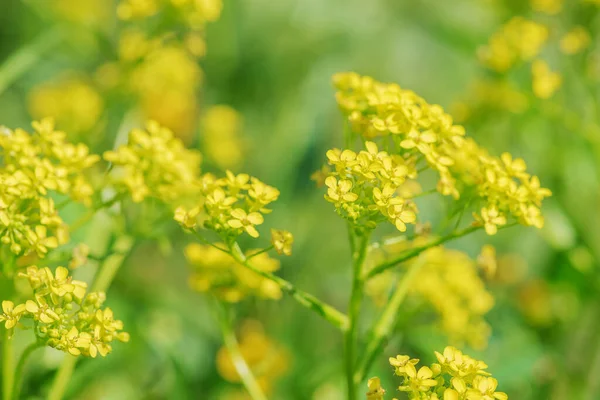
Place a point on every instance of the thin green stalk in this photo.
(384, 326)
(307, 300)
(412, 253)
(108, 270)
(27, 56)
(354, 312)
(8, 366)
(242, 368)
(62, 378)
(102, 281)
(21, 367)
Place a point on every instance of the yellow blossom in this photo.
(72, 101)
(66, 317)
(575, 41)
(267, 359)
(282, 241)
(518, 40)
(545, 82)
(216, 271)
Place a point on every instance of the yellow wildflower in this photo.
(11, 313)
(73, 102)
(575, 41)
(216, 271)
(267, 359)
(221, 128)
(376, 392)
(518, 40)
(457, 376)
(154, 164)
(282, 241)
(85, 330)
(417, 133)
(545, 82)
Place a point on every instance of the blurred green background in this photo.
(272, 62)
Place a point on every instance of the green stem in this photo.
(27, 56)
(242, 368)
(356, 295)
(307, 300)
(108, 270)
(62, 378)
(412, 253)
(385, 324)
(8, 368)
(21, 367)
(102, 281)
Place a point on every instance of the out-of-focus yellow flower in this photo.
(137, 9)
(65, 316)
(92, 12)
(282, 241)
(196, 13)
(545, 82)
(221, 142)
(518, 40)
(575, 41)
(448, 283)
(216, 271)
(487, 262)
(550, 7)
(535, 302)
(73, 102)
(166, 82)
(267, 359)
(155, 164)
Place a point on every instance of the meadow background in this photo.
(272, 62)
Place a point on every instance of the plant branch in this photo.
(307, 300)
(356, 295)
(412, 253)
(21, 367)
(241, 366)
(384, 326)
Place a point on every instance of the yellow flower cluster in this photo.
(229, 206)
(545, 82)
(448, 283)
(160, 68)
(34, 165)
(73, 102)
(221, 142)
(267, 359)
(154, 164)
(417, 132)
(363, 186)
(64, 315)
(216, 271)
(166, 82)
(518, 40)
(455, 376)
(575, 41)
